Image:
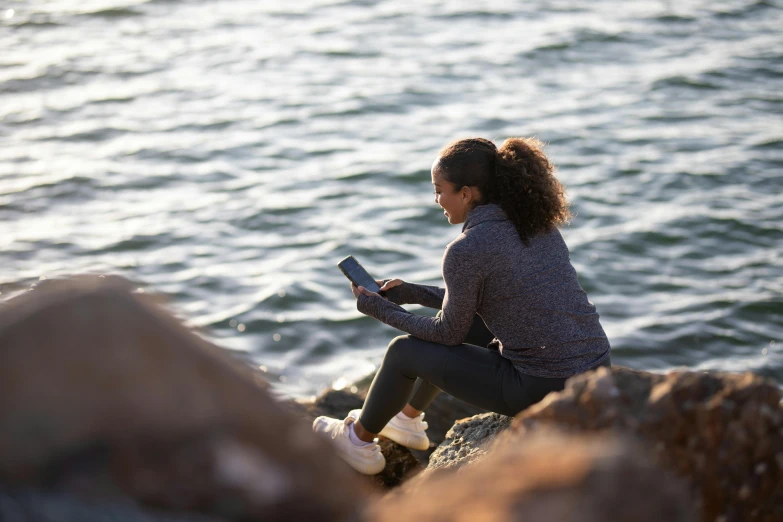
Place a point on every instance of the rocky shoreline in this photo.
(111, 409)
(717, 436)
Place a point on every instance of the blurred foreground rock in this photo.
(545, 478)
(27, 506)
(723, 432)
(107, 398)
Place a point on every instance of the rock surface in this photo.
(468, 440)
(105, 396)
(29, 506)
(545, 478)
(721, 431)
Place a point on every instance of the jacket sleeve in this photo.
(412, 293)
(464, 282)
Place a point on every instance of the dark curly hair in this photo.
(518, 176)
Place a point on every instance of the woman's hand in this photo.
(391, 283)
(361, 290)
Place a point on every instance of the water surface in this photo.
(230, 153)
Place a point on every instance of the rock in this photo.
(546, 478)
(401, 465)
(468, 440)
(106, 397)
(723, 432)
(36, 506)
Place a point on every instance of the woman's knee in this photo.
(400, 348)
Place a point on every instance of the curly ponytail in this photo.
(518, 176)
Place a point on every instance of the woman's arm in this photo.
(463, 279)
(412, 293)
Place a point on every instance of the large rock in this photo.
(545, 478)
(468, 440)
(104, 396)
(721, 431)
(37, 506)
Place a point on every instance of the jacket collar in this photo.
(484, 213)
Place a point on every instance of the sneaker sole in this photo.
(365, 468)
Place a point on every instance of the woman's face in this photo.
(455, 203)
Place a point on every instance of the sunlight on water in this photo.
(228, 154)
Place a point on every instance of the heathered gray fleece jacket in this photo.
(528, 296)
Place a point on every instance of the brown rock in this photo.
(545, 478)
(103, 395)
(721, 431)
(38, 506)
(401, 465)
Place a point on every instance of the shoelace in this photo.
(420, 424)
(333, 431)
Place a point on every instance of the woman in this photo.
(510, 266)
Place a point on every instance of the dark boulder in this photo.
(723, 432)
(105, 396)
(37, 506)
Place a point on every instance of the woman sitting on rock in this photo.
(535, 326)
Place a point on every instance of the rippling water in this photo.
(229, 153)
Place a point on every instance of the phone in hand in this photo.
(354, 271)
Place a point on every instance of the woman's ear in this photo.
(467, 195)
(470, 196)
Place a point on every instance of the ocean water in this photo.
(229, 153)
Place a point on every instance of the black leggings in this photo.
(415, 371)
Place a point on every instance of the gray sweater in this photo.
(528, 296)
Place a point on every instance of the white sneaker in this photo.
(407, 432)
(364, 459)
